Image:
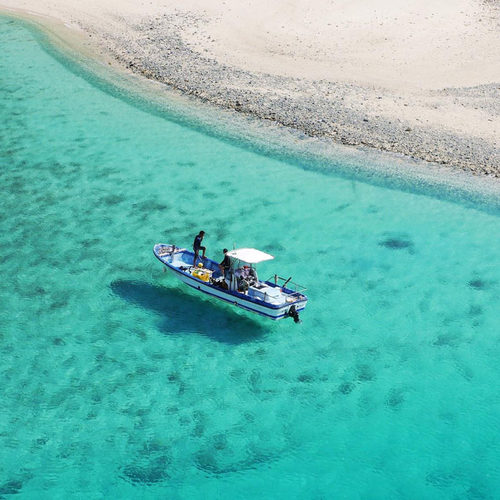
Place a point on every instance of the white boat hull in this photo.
(278, 313)
(237, 299)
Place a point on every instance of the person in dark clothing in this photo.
(197, 246)
(225, 265)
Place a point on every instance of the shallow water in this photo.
(118, 382)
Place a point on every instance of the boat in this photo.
(275, 298)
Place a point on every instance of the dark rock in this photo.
(478, 284)
(11, 487)
(346, 387)
(305, 377)
(396, 243)
(147, 475)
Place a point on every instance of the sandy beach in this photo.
(421, 79)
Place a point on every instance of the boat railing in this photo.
(287, 283)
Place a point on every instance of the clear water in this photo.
(118, 382)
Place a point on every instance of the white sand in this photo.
(415, 43)
(411, 49)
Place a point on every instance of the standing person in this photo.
(225, 265)
(197, 246)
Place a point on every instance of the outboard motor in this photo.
(292, 313)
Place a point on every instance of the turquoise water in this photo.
(118, 382)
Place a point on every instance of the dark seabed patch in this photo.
(342, 207)
(41, 441)
(150, 206)
(478, 492)
(274, 247)
(200, 421)
(475, 310)
(150, 467)
(447, 339)
(111, 199)
(395, 398)
(220, 460)
(90, 242)
(396, 243)
(219, 441)
(210, 195)
(60, 302)
(346, 388)
(478, 284)
(365, 373)
(152, 473)
(441, 479)
(305, 378)
(11, 487)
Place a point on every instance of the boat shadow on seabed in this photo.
(181, 312)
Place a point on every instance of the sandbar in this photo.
(418, 78)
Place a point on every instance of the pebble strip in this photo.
(155, 49)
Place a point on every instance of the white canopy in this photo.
(249, 255)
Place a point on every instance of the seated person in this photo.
(244, 271)
(246, 274)
(249, 274)
(242, 285)
(253, 275)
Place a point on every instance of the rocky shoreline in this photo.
(349, 114)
